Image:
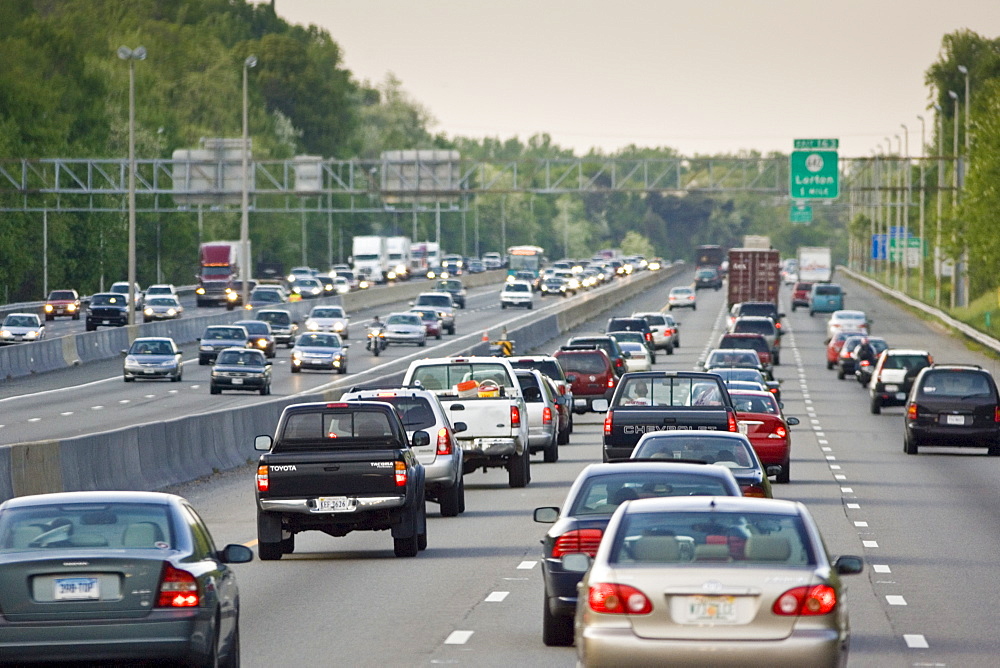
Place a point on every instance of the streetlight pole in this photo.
(905, 213)
(965, 247)
(940, 205)
(923, 241)
(251, 61)
(887, 217)
(954, 192)
(131, 55)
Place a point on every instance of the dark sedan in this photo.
(115, 576)
(592, 500)
(241, 369)
(261, 335)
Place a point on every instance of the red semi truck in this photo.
(754, 275)
(219, 269)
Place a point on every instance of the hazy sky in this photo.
(701, 76)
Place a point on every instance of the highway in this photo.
(927, 526)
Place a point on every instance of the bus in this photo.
(526, 259)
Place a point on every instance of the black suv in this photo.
(107, 309)
(953, 405)
(707, 277)
(768, 309)
(634, 325)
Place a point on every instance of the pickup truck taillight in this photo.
(262, 480)
(178, 589)
(400, 474)
(546, 415)
(515, 416)
(913, 409)
(649, 336)
(444, 441)
(578, 540)
(731, 417)
(608, 423)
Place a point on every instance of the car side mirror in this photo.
(124, 352)
(420, 439)
(459, 427)
(576, 562)
(262, 443)
(781, 315)
(626, 355)
(571, 377)
(773, 470)
(849, 565)
(792, 421)
(235, 554)
(599, 405)
(547, 514)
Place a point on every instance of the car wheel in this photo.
(570, 430)
(451, 330)
(90, 328)
(127, 379)
(233, 647)
(811, 313)
(438, 335)
(993, 451)
(531, 306)
(502, 306)
(178, 377)
(793, 308)
(461, 497)
(829, 365)
(517, 469)
(422, 526)
(786, 472)
(840, 373)
(288, 545)
(670, 307)
(343, 369)
(269, 551)
(214, 390)
(563, 436)
(551, 452)
(264, 391)
(451, 500)
(406, 547)
(694, 307)
(422, 343)
(910, 445)
(875, 405)
(556, 631)
(202, 361)
(295, 369)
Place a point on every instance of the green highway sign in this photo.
(813, 175)
(800, 213)
(806, 144)
(913, 251)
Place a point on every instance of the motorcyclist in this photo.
(866, 352)
(375, 342)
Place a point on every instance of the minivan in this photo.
(826, 298)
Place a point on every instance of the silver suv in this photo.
(420, 409)
(443, 303)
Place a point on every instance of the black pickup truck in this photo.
(337, 468)
(651, 401)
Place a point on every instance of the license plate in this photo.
(900, 396)
(77, 589)
(149, 370)
(892, 388)
(237, 381)
(335, 504)
(709, 609)
(955, 419)
(106, 322)
(579, 402)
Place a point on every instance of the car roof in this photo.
(904, 351)
(98, 497)
(732, 504)
(646, 465)
(153, 338)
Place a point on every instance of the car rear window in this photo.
(583, 362)
(908, 362)
(956, 384)
(627, 324)
(754, 326)
(415, 412)
(85, 526)
(767, 310)
(275, 318)
(655, 319)
(550, 368)
(330, 427)
(601, 495)
(827, 289)
(669, 391)
(757, 343)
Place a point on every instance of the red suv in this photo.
(800, 294)
(591, 374)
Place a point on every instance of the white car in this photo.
(161, 290)
(329, 319)
(847, 321)
(121, 288)
(161, 308)
(405, 328)
(638, 356)
(517, 293)
(20, 328)
(682, 297)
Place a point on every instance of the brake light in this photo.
(178, 589)
(806, 601)
(779, 432)
(515, 416)
(996, 414)
(912, 410)
(262, 480)
(649, 336)
(777, 325)
(731, 418)
(444, 441)
(400, 473)
(611, 380)
(579, 540)
(755, 491)
(608, 423)
(562, 389)
(385, 394)
(337, 405)
(546, 415)
(618, 599)
(930, 360)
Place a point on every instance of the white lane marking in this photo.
(861, 524)
(96, 408)
(826, 449)
(817, 428)
(124, 401)
(809, 401)
(814, 420)
(834, 467)
(526, 565)
(915, 641)
(497, 596)
(34, 419)
(846, 490)
(458, 637)
(881, 568)
(869, 543)
(149, 396)
(840, 476)
(831, 458)
(895, 600)
(820, 434)
(172, 391)
(853, 506)
(824, 442)
(66, 413)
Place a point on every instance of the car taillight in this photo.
(756, 491)
(444, 441)
(779, 432)
(562, 390)
(731, 418)
(996, 414)
(912, 410)
(649, 336)
(806, 601)
(262, 480)
(515, 416)
(400, 474)
(611, 380)
(865, 363)
(546, 415)
(608, 423)
(579, 540)
(178, 589)
(618, 599)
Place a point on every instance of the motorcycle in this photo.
(376, 340)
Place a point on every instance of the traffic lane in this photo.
(915, 510)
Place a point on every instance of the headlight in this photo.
(71, 307)
(338, 327)
(261, 343)
(343, 289)
(205, 348)
(430, 274)
(510, 279)
(296, 355)
(48, 308)
(315, 291)
(5, 334)
(363, 285)
(148, 311)
(312, 325)
(31, 335)
(391, 275)
(232, 295)
(130, 361)
(444, 274)
(200, 290)
(291, 277)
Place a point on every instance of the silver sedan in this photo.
(405, 328)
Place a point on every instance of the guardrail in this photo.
(158, 454)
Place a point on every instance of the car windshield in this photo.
(445, 376)
(161, 301)
(669, 391)
(255, 327)
(403, 320)
(224, 334)
(107, 300)
(328, 312)
(602, 494)
(241, 358)
(151, 348)
(15, 320)
(61, 294)
(86, 526)
(729, 539)
(953, 383)
(319, 341)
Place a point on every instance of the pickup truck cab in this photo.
(664, 401)
(483, 393)
(337, 468)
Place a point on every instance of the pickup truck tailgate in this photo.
(304, 474)
(486, 418)
(629, 424)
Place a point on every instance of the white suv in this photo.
(517, 293)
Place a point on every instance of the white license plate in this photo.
(335, 503)
(77, 589)
(149, 370)
(900, 396)
(709, 609)
(106, 322)
(237, 381)
(892, 388)
(955, 419)
(579, 402)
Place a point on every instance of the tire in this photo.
(694, 308)
(233, 651)
(288, 545)
(556, 631)
(76, 316)
(840, 373)
(461, 501)
(562, 437)
(421, 527)
(178, 377)
(451, 500)
(777, 359)
(910, 446)
(214, 390)
(811, 313)
(266, 390)
(90, 328)
(677, 343)
(451, 330)
(531, 306)
(295, 369)
(829, 365)
(875, 405)
(269, 551)
(376, 349)
(406, 547)
(438, 337)
(503, 306)
(670, 308)
(202, 361)
(794, 307)
(786, 473)
(422, 344)
(517, 470)
(993, 451)
(342, 370)
(127, 379)
(551, 452)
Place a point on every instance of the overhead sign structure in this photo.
(814, 170)
(800, 213)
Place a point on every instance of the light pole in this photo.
(940, 204)
(965, 247)
(905, 257)
(887, 217)
(923, 156)
(954, 193)
(965, 71)
(131, 55)
(251, 61)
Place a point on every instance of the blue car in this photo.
(826, 298)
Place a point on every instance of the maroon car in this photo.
(431, 320)
(590, 372)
